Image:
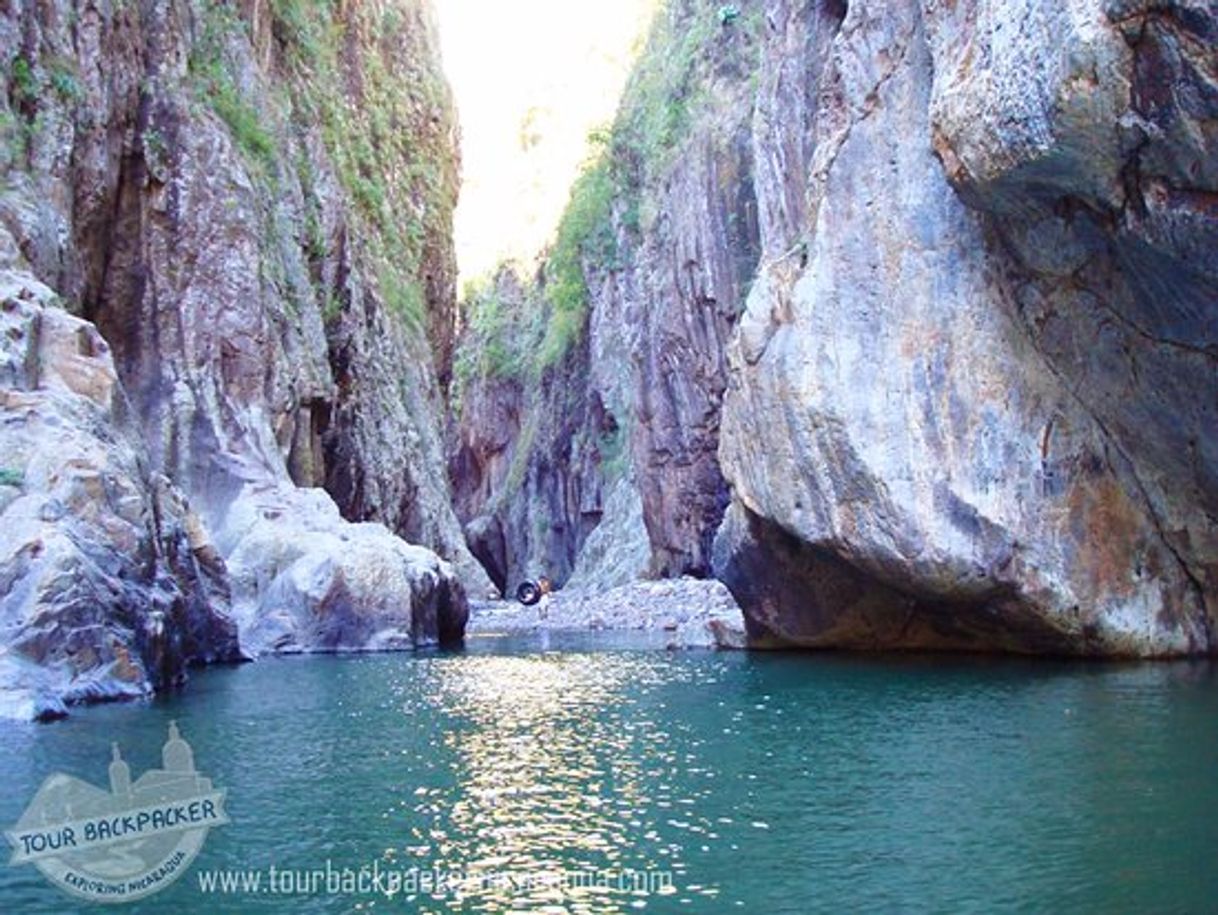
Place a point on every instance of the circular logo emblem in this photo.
(126, 842)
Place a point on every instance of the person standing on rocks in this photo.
(545, 586)
(536, 593)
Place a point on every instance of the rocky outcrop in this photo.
(971, 400)
(106, 588)
(250, 207)
(618, 551)
(977, 410)
(690, 275)
(303, 579)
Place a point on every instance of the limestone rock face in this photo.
(263, 292)
(693, 268)
(976, 407)
(303, 579)
(618, 551)
(279, 298)
(107, 589)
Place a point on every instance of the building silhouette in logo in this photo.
(125, 842)
(120, 774)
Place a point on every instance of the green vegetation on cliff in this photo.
(671, 90)
(525, 331)
(673, 84)
(385, 123)
(35, 83)
(213, 74)
(382, 115)
(585, 237)
(497, 340)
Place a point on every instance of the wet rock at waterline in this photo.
(979, 410)
(106, 590)
(303, 579)
(112, 586)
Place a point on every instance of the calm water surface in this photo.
(760, 783)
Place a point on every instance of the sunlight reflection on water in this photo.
(562, 769)
(761, 783)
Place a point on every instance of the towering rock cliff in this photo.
(248, 207)
(589, 411)
(971, 400)
(981, 410)
(898, 318)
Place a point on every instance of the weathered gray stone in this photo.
(304, 579)
(106, 589)
(981, 415)
(691, 613)
(618, 552)
(525, 454)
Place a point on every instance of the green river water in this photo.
(674, 782)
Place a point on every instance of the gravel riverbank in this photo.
(696, 614)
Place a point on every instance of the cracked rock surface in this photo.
(982, 409)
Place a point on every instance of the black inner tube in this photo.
(528, 593)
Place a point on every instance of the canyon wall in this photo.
(587, 431)
(244, 210)
(908, 307)
(898, 318)
(981, 410)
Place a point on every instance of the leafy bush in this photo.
(585, 234)
(63, 78)
(23, 84)
(499, 341)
